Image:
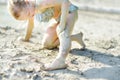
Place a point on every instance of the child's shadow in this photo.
(105, 58)
(108, 73)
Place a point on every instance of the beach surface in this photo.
(99, 61)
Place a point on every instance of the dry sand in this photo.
(100, 61)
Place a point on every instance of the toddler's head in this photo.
(21, 9)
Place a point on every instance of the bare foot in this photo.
(57, 64)
(80, 40)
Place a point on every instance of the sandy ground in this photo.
(100, 61)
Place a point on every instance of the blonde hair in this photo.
(15, 6)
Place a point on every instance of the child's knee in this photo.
(48, 43)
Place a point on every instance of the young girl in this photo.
(59, 33)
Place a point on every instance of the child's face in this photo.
(21, 10)
(27, 12)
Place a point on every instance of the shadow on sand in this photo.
(108, 73)
(103, 73)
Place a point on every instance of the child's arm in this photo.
(30, 27)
